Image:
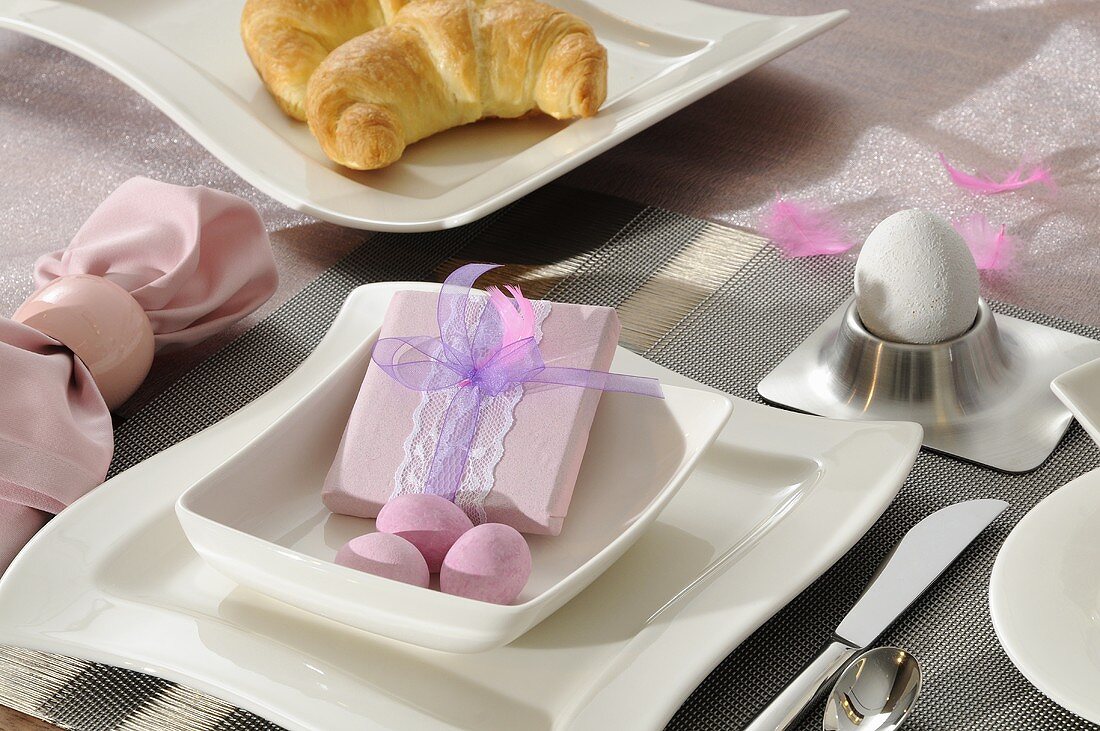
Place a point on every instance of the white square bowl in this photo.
(259, 518)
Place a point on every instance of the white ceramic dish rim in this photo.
(1067, 387)
(693, 642)
(1014, 645)
(724, 406)
(147, 66)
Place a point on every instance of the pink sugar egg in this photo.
(430, 522)
(491, 562)
(385, 555)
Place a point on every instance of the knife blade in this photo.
(921, 556)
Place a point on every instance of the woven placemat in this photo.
(713, 303)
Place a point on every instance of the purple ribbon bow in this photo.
(478, 366)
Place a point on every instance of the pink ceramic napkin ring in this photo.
(102, 324)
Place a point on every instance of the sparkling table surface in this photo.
(853, 120)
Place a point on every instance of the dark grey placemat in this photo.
(710, 302)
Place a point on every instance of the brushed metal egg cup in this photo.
(983, 396)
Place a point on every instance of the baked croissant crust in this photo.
(287, 39)
(444, 63)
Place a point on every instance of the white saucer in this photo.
(186, 57)
(777, 500)
(1044, 596)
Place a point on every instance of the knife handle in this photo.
(785, 709)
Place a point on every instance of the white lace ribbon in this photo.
(495, 420)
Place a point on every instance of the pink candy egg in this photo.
(430, 522)
(491, 562)
(102, 324)
(385, 555)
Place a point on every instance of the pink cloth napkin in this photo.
(195, 259)
(55, 433)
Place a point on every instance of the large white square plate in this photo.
(774, 502)
(186, 57)
(259, 518)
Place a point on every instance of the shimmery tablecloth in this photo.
(851, 118)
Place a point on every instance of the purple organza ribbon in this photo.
(479, 366)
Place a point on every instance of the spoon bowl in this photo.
(875, 692)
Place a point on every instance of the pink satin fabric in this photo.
(195, 259)
(55, 433)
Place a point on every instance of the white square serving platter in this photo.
(259, 518)
(186, 57)
(774, 502)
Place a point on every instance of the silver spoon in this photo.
(875, 692)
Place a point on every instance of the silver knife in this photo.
(918, 560)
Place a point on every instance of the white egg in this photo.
(916, 281)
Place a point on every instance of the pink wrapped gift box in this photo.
(529, 442)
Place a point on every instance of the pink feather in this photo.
(993, 247)
(518, 319)
(800, 229)
(1024, 175)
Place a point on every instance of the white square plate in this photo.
(186, 57)
(774, 502)
(259, 518)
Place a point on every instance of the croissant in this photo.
(444, 63)
(287, 39)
